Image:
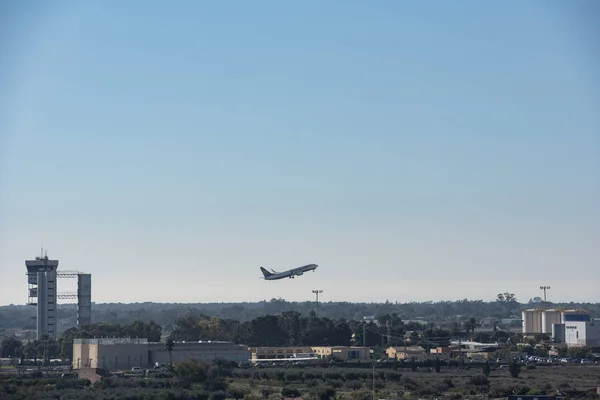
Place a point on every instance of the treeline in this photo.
(289, 328)
(16, 317)
(47, 348)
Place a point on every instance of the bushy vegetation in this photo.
(221, 380)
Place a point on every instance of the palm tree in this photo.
(169, 344)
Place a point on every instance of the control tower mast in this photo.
(41, 279)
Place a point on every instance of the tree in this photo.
(323, 392)
(514, 368)
(506, 297)
(437, 364)
(169, 345)
(486, 369)
(11, 347)
(470, 326)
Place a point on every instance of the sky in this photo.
(414, 150)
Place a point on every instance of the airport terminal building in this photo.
(126, 353)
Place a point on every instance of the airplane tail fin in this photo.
(265, 272)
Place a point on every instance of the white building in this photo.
(579, 333)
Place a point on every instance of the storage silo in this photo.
(532, 321)
(549, 318)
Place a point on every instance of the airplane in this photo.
(291, 273)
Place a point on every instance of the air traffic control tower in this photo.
(41, 278)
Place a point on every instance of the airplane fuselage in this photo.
(272, 276)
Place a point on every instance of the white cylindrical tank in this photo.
(532, 321)
(549, 318)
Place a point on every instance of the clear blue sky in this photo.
(415, 150)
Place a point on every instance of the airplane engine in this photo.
(300, 273)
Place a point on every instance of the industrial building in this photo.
(42, 280)
(126, 353)
(573, 327)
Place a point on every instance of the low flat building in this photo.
(344, 353)
(125, 353)
(281, 353)
(304, 353)
(404, 352)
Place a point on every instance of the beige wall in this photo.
(400, 353)
(344, 353)
(84, 355)
(340, 352)
(110, 356)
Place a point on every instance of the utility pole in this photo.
(460, 351)
(364, 333)
(373, 379)
(317, 293)
(544, 288)
(388, 325)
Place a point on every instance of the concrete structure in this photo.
(558, 332)
(41, 279)
(201, 351)
(343, 353)
(281, 353)
(549, 318)
(126, 353)
(532, 321)
(579, 333)
(404, 352)
(84, 299)
(111, 354)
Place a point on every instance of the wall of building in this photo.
(201, 351)
(582, 333)
(111, 354)
(343, 353)
(125, 353)
(262, 353)
(351, 353)
(122, 356)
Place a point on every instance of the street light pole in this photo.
(317, 293)
(544, 288)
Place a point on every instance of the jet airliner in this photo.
(291, 273)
